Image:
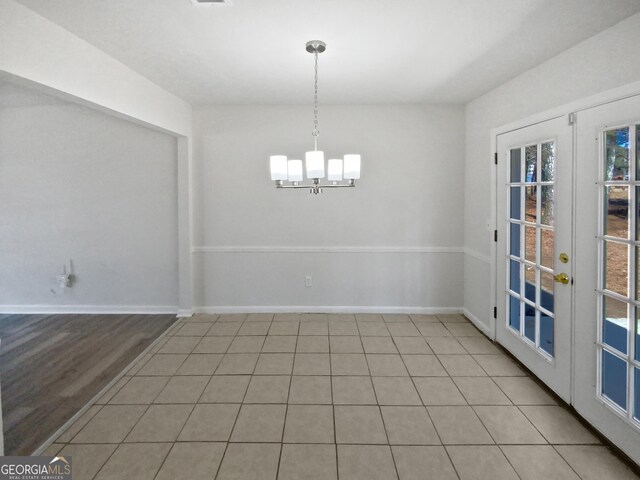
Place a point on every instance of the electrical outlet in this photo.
(307, 281)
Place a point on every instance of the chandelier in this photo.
(338, 169)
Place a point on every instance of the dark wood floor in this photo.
(51, 365)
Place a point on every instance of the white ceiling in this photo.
(391, 51)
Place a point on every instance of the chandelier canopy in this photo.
(338, 169)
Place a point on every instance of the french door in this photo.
(534, 274)
(607, 293)
(568, 261)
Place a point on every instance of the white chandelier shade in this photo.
(334, 170)
(294, 170)
(352, 166)
(338, 169)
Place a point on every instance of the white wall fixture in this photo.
(338, 169)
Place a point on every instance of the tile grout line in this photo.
(286, 411)
(180, 321)
(235, 422)
(384, 426)
(429, 415)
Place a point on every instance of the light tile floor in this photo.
(322, 397)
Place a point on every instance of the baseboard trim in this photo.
(326, 309)
(184, 313)
(88, 309)
(476, 321)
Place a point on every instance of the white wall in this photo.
(40, 51)
(407, 208)
(81, 185)
(603, 62)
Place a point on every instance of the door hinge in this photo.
(572, 118)
(495, 235)
(495, 158)
(495, 312)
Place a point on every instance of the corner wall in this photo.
(600, 63)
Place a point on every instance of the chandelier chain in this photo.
(315, 132)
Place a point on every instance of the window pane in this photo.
(546, 291)
(548, 161)
(614, 379)
(516, 157)
(514, 239)
(616, 270)
(530, 322)
(637, 273)
(615, 326)
(637, 151)
(617, 218)
(546, 205)
(638, 334)
(638, 211)
(514, 276)
(546, 333)
(636, 394)
(617, 154)
(531, 157)
(530, 283)
(530, 202)
(530, 243)
(515, 203)
(514, 313)
(546, 244)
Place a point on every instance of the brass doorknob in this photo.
(562, 278)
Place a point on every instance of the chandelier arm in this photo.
(352, 183)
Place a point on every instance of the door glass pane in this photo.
(530, 283)
(616, 267)
(615, 326)
(514, 239)
(514, 276)
(546, 332)
(531, 156)
(637, 273)
(637, 232)
(614, 379)
(636, 395)
(546, 205)
(530, 204)
(515, 157)
(514, 313)
(637, 335)
(617, 218)
(637, 151)
(546, 291)
(617, 155)
(530, 243)
(533, 167)
(530, 322)
(515, 203)
(546, 248)
(548, 162)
